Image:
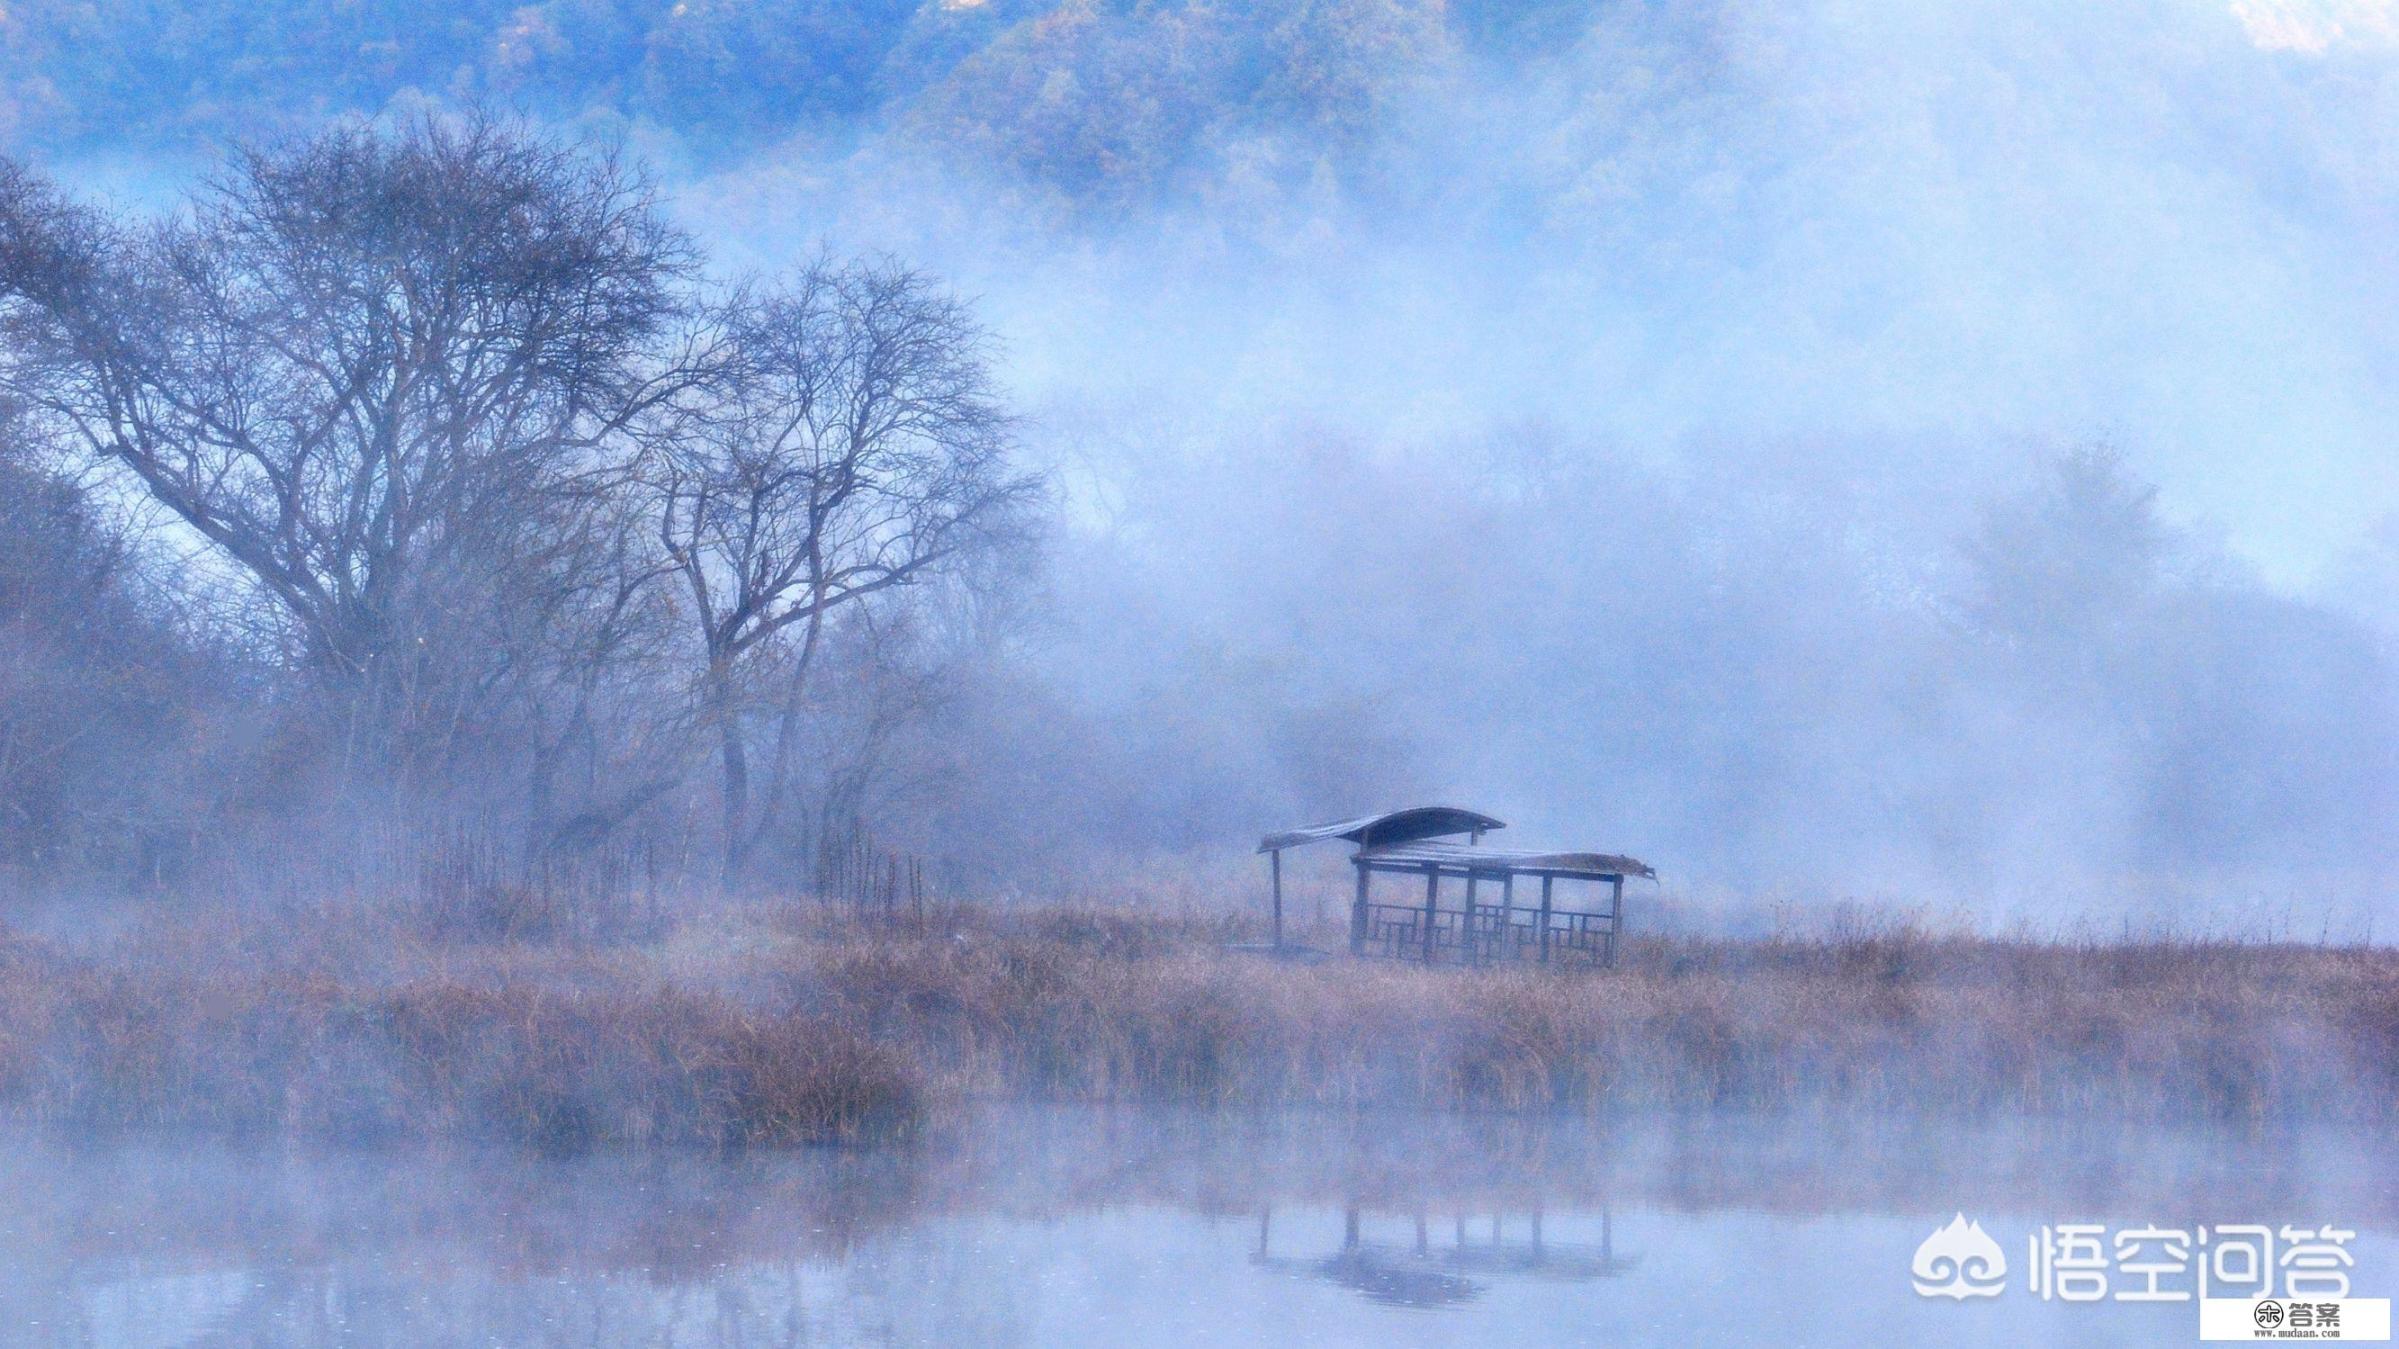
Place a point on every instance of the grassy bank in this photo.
(768, 1025)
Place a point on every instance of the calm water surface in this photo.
(1109, 1228)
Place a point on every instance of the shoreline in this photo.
(773, 1027)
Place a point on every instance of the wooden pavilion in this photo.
(1484, 928)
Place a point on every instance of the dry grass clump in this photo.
(644, 1064)
(1882, 1019)
(559, 1054)
(771, 1026)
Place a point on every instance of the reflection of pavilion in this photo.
(1428, 1274)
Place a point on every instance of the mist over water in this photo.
(1083, 1227)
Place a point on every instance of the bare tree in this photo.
(100, 688)
(601, 699)
(381, 373)
(445, 407)
(851, 446)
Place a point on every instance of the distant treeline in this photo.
(418, 482)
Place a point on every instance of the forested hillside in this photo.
(1880, 447)
(1099, 98)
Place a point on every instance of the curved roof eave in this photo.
(1394, 826)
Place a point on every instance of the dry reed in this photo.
(769, 1026)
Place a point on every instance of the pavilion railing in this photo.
(1491, 935)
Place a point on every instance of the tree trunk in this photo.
(737, 768)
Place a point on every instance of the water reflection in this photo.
(1428, 1274)
(1098, 1227)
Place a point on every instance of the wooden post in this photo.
(1466, 937)
(1507, 915)
(1432, 907)
(1275, 862)
(1357, 916)
(1545, 918)
(1615, 916)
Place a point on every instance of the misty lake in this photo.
(1061, 1226)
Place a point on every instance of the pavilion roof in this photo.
(1393, 826)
